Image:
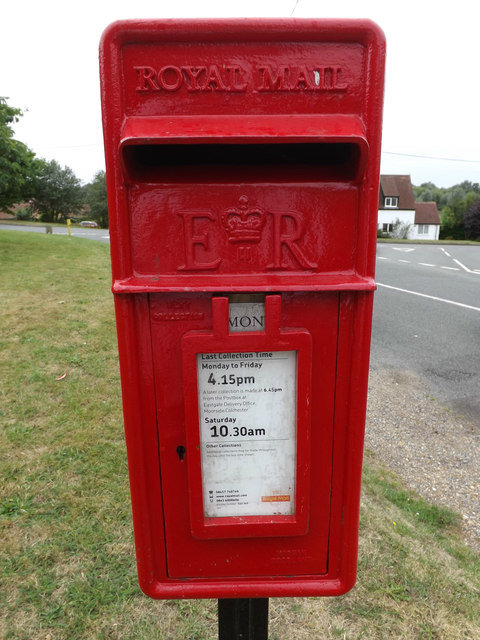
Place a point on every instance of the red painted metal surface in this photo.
(243, 157)
(273, 339)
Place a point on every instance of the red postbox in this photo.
(242, 171)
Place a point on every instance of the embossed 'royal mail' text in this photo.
(238, 79)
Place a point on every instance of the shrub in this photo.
(24, 212)
(471, 220)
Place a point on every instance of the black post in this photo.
(243, 619)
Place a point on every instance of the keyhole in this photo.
(181, 451)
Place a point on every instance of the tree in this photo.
(16, 160)
(451, 227)
(401, 230)
(58, 192)
(471, 220)
(97, 199)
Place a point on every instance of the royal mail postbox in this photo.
(242, 171)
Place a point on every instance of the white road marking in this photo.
(463, 266)
(459, 263)
(429, 264)
(424, 295)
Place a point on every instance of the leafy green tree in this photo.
(450, 224)
(24, 212)
(426, 192)
(453, 203)
(16, 160)
(58, 192)
(470, 186)
(456, 198)
(400, 229)
(97, 199)
(471, 220)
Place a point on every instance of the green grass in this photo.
(418, 241)
(67, 566)
(30, 223)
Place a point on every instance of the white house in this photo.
(396, 201)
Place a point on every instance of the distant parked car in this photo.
(89, 223)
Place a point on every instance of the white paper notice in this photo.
(247, 409)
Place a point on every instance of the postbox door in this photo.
(272, 549)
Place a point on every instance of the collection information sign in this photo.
(247, 410)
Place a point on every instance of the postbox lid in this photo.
(254, 128)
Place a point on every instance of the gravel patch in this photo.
(435, 451)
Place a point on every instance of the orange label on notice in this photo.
(275, 498)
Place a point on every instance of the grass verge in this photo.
(418, 241)
(67, 567)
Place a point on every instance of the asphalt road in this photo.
(427, 319)
(78, 232)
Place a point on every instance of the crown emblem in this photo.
(243, 223)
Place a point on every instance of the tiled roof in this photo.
(426, 213)
(399, 187)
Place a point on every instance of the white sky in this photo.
(49, 69)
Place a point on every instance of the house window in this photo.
(387, 227)
(422, 229)
(391, 202)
